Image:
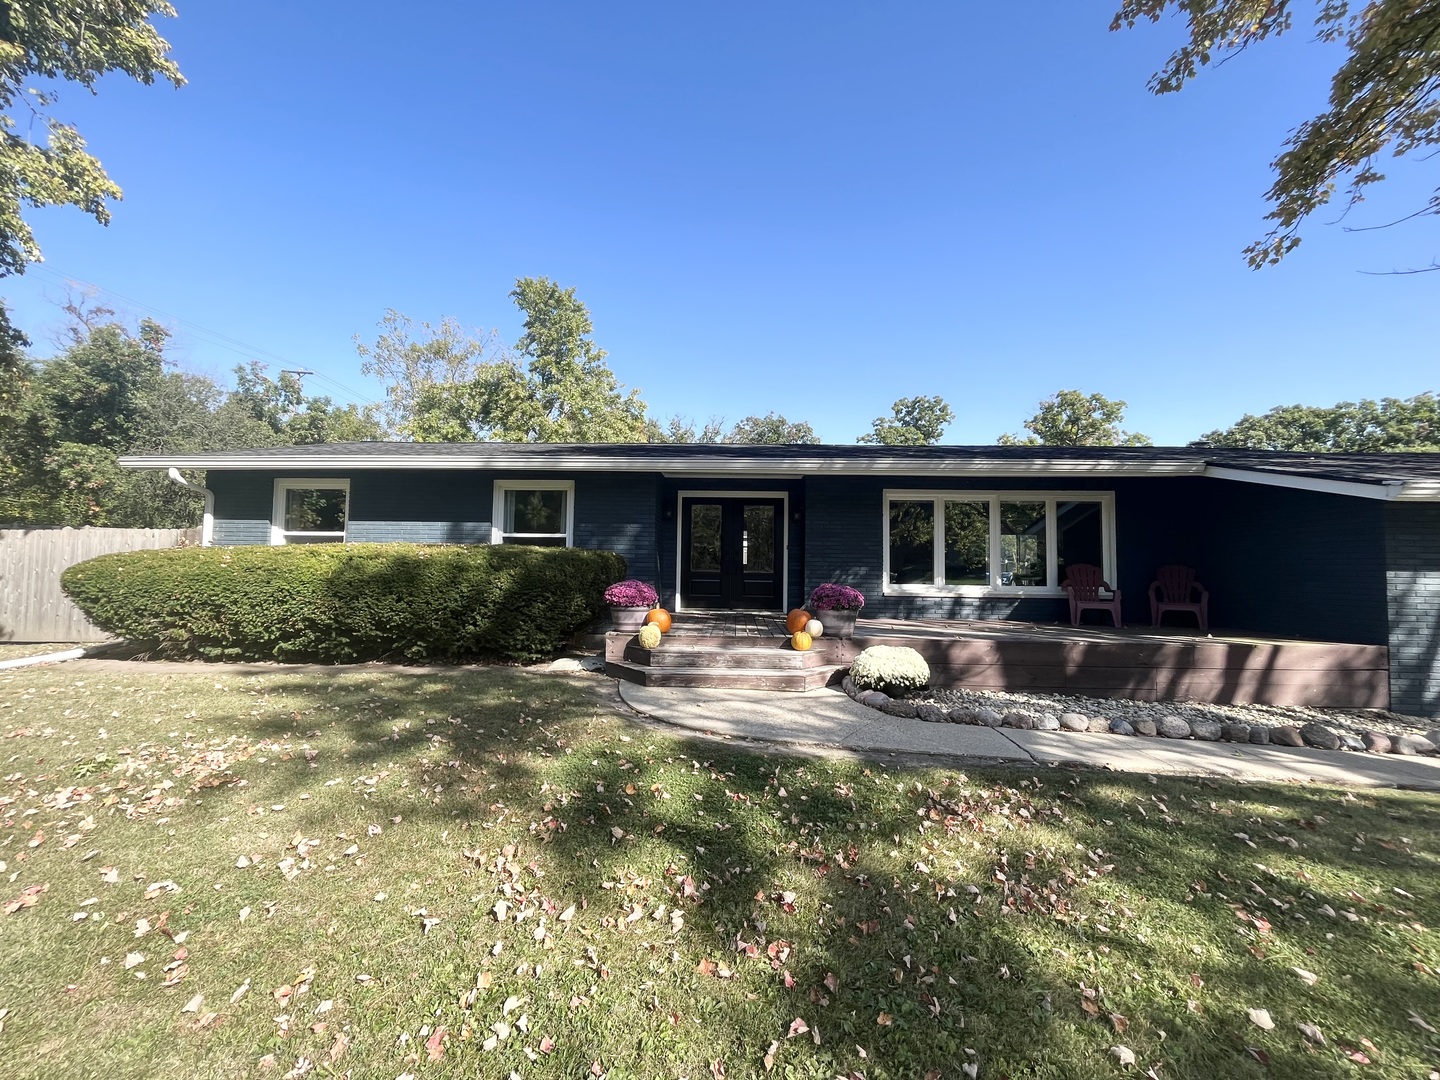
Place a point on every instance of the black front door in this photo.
(732, 553)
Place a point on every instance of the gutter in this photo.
(207, 527)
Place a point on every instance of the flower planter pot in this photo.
(838, 624)
(628, 618)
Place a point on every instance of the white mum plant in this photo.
(892, 669)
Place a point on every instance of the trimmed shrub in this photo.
(336, 603)
(891, 669)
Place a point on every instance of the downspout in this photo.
(207, 528)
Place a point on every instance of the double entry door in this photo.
(732, 552)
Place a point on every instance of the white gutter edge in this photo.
(207, 526)
(1386, 491)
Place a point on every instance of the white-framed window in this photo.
(310, 511)
(539, 512)
(982, 543)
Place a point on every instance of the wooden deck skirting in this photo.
(1143, 665)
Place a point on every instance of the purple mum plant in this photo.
(631, 593)
(836, 598)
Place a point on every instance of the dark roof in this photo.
(1418, 473)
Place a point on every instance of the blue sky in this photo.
(816, 209)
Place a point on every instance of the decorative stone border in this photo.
(1313, 734)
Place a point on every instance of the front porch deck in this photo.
(1141, 663)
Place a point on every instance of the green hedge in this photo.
(343, 602)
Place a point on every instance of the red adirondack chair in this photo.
(1083, 583)
(1175, 589)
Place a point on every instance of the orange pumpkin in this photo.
(800, 641)
(796, 620)
(660, 617)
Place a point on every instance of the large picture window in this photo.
(970, 543)
(310, 511)
(537, 512)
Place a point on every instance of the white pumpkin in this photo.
(814, 628)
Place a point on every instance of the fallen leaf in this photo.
(193, 1005)
(1313, 1033)
(1261, 1019)
(1123, 1055)
(133, 959)
(769, 1058)
(797, 1027)
(339, 1046)
(1309, 978)
(885, 1019)
(435, 1044)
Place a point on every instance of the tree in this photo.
(772, 428)
(75, 41)
(412, 360)
(1071, 418)
(914, 421)
(294, 419)
(681, 429)
(1390, 425)
(1385, 95)
(565, 393)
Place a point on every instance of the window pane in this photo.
(912, 543)
(1078, 534)
(535, 512)
(758, 544)
(967, 543)
(1022, 543)
(314, 510)
(705, 536)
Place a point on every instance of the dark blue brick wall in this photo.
(615, 513)
(619, 513)
(1276, 561)
(243, 501)
(1412, 545)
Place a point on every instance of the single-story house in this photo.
(1326, 547)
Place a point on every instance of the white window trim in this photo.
(277, 509)
(1106, 499)
(782, 495)
(497, 510)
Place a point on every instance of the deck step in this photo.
(811, 678)
(773, 655)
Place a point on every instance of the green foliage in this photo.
(891, 669)
(681, 429)
(425, 360)
(113, 391)
(48, 42)
(565, 393)
(771, 429)
(913, 421)
(1385, 95)
(1071, 418)
(347, 602)
(1391, 425)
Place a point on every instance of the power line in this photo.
(215, 337)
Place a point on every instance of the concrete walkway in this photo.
(828, 720)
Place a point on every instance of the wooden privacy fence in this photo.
(32, 605)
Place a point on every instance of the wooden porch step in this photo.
(812, 678)
(774, 654)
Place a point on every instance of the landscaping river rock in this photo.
(1372, 731)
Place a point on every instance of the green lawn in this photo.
(490, 872)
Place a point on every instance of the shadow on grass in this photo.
(933, 913)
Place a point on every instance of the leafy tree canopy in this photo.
(556, 388)
(1390, 425)
(46, 42)
(1072, 418)
(1384, 97)
(771, 428)
(111, 390)
(913, 421)
(681, 429)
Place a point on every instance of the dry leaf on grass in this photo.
(1261, 1018)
